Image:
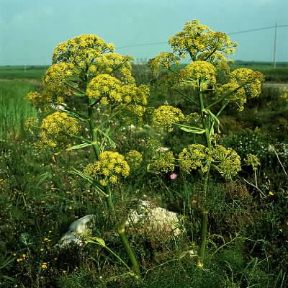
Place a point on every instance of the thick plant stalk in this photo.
(92, 132)
(204, 224)
(204, 221)
(129, 250)
(123, 237)
(110, 203)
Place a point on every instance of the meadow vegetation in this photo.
(203, 145)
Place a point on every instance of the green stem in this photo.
(129, 250)
(204, 225)
(204, 221)
(203, 116)
(255, 177)
(222, 108)
(117, 256)
(92, 132)
(110, 203)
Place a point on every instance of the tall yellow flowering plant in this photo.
(85, 90)
(197, 69)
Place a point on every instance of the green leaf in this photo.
(191, 129)
(98, 241)
(106, 135)
(42, 177)
(213, 116)
(79, 146)
(82, 175)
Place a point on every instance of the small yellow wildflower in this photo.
(44, 265)
(234, 92)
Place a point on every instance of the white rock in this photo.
(154, 222)
(76, 231)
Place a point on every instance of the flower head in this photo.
(110, 90)
(134, 159)
(195, 157)
(56, 127)
(105, 87)
(162, 162)
(250, 80)
(165, 116)
(199, 71)
(163, 60)
(81, 50)
(113, 64)
(253, 161)
(57, 77)
(226, 161)
(39, 100)
(235, 94)
(109, 168)
(201, 43)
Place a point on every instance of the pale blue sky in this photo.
(30, 29)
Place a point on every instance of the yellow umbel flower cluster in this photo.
(134, 159)
(226, 161)
(31, 123)
(110, 90)
(165, 116)
(135, 94)
(162, 162)
(235, 94)
(250, 80)
(115, 64)
(106, 88)
(39, 100)
(86, 66)
(199, 72)
(253, 161)
(163, 60)
(109, 168)
(81, 50)
(198, 157)
(201, 43)
(195, 157)
(57, 76)
(55, 128)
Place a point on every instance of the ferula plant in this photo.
(198, 70)
(88, 94)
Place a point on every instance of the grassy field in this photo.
(22, 72)
(14, 108)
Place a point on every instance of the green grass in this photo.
(14, 108)
(22, 72)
